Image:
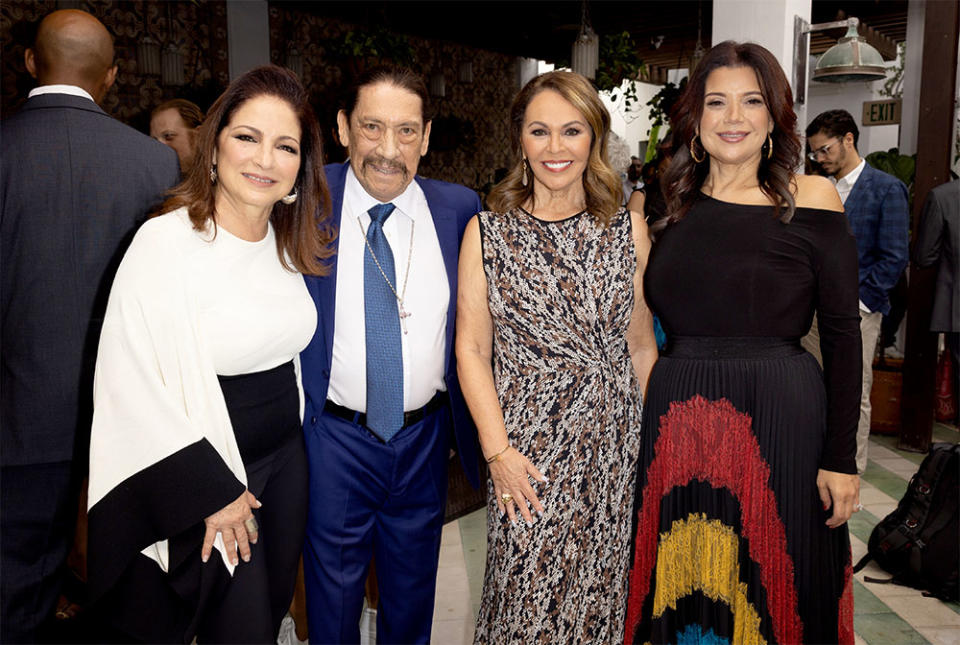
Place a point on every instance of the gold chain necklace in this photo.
(404, 314)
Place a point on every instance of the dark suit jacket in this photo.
(879, 218)
(451, 206)
(938, 239)
(74, 184)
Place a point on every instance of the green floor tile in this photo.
(861, 524)
(890, 483)
(864, 602)
(890, 441)
(943, 432)
(885, 629)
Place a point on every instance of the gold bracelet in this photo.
(497, 456)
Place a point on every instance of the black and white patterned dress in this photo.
(561, 296)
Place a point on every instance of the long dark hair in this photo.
(302, 228)
(684, 176)
(601, 185)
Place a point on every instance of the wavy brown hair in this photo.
(601, 184)
(684, 176)
(303, 228)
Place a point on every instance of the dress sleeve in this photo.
(157, 464)
(838, 319)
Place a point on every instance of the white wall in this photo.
(632, 125)
(850, 97)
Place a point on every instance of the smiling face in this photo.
(167, 127)
(385, 136)
(735, 120)
(556, 140)
(257, 156)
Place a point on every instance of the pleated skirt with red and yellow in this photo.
(731, 544)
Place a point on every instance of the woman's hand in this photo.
(510, 473)
(229, 521)
(842, 492)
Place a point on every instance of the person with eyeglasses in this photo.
(877, 210)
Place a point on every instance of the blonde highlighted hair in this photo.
(601, 185)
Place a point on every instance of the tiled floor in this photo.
(883, 614)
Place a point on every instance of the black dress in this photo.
(731, 543)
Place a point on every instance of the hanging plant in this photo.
(661, 104)
(619, 62)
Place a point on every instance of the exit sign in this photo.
(881, 112)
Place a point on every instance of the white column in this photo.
(765, 22)
(248, 35)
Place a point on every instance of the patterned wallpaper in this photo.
(198, 31)
(470, 138)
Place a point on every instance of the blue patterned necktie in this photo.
(382, 320)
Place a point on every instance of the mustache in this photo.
(383, 162)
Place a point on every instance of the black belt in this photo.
(409, 418)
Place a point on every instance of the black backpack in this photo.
(918, 543)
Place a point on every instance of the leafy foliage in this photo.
(903, 167)
(373, 45)
(619, 62)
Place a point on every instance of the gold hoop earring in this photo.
(524, 179)
(769, 146)
(693, 150)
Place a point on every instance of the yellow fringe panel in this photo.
(698, 554)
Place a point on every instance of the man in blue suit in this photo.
(382, 394)
(876, 207)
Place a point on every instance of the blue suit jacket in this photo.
(451, 206)
(879, 218)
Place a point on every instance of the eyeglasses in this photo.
(822, 151)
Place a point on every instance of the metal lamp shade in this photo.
(851, 59)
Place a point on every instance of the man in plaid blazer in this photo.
(876, 207)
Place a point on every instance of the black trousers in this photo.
(204, 600)
(38, 512)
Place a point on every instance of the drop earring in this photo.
(213, 173)
(524, 179)
(289, 199)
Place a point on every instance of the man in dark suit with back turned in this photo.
(74, 184)
(938, 243)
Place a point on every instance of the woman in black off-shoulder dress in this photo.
(747, 472)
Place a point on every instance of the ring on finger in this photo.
(506, 498)
(251, 525)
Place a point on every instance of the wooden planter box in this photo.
(885, 396)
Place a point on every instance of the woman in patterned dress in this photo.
(747, 462)
(554, 345)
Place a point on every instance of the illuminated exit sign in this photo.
(881, 112)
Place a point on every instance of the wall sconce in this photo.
(148, 56)
(294, 62)
(438, 85)
(585, 56)
(851, 59)
(465, 72)
(172, 67)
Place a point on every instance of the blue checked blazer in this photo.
(879, 219)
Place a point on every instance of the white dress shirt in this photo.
(845, 183)
(844, 186)
(426, 300)
(60, 89)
